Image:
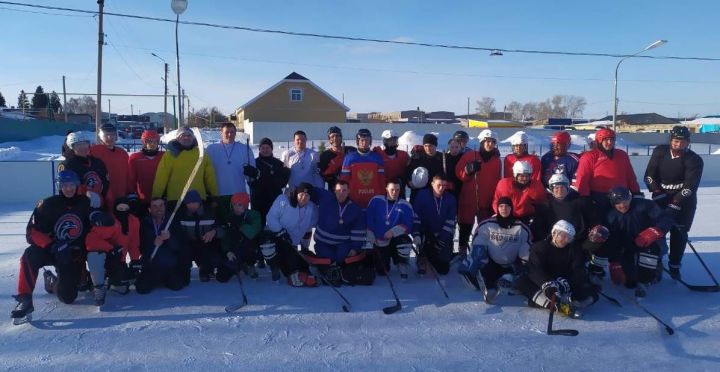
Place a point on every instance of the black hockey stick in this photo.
(394, 308)
(696, 288)
(614, 301)
(558, 332)
(717, 285)
(433, 271)
(235, 307)
(346, 306)
(670, 331)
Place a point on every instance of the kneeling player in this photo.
(501, 246)
(557, 269)
(239, 239)
(389, 221)
(434, 226)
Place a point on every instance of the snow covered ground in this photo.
(305, 329)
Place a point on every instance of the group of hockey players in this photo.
(548, 227)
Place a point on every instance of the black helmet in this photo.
(461, 135)
(619, 194)
(363, 133)
(680, 132)
(335, 130)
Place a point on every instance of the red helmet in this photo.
(561, 137)
(149, 134)
(603, 134)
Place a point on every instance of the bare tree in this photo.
(485, 106)
(515, 109)
(575, 106)
(83, 105)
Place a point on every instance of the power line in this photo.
(363, 39)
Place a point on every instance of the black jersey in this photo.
(58, 218)
(678, 177)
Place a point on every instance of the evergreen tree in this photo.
(40, 99)
(55, 102)
(23, 101)
(2, 101)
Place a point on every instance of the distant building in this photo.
(293, 99)
(648, 122)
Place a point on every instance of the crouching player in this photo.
(556, 271)
(239, 239)
(56, 234)
(339, 239)
(501, 246)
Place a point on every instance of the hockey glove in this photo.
(549, 288)
(283, 235)
(617, 274)
(101, 219)
(563, 287)
(250, 171)
(472, 167)
(648, 236)
(95, 200)
(598, 234)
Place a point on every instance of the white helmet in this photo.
(75, 137)
(519, 138)
(590, 138)
(389, 133)
(521, 167)
(565, 227)
(485, 134)
(558, 178)
(419, 177)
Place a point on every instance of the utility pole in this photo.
(101, 42)
(64, 100)
(166, 125)
(109, 109)
(132, 111)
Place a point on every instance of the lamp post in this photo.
(166, 127)
(651, 46)
(178, 6)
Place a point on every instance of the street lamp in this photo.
(178, 6)
(651, 46)
(166, 127)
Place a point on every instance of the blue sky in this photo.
(226, 68)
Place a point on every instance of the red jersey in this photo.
(116, 162)
(476, 193)
(599, 173)
(396, 166)
(523, 198)
(532, 159)
(141, 173)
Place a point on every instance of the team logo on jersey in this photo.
(68, 227)
(366, 177)
(93, 181)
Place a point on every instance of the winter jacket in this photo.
(548, 262)
(295, 220)
(267, 186)
(175, 168)
(625, 227)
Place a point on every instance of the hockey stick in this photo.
(557, 332)
(394, 308)
(614, 301)
(235, 307)
(346, 306)
(186, 188)
(433, 271)
(696, 288)
(717, 285)
(670, 331)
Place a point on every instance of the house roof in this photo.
(643, 119)
(294, 77)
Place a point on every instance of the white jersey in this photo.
(502, 245)
(303, 167)
(296, 220)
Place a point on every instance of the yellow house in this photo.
(293, 99)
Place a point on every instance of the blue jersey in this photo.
(566, 164)
(434, 215)
(384, 215)
(338, 224)
(365, 173)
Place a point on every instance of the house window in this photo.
(296, 95)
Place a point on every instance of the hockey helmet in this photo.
(558, 178)
(75, 137)
(363, 133)
(68, 176)
(486, 134)
(521, 167)
(519, 138)
(389, 133)
(565, 227)
(461, 135)
(561, 137)
(680, 132)
(619, 194)
(603, 134)
(420, 177)
(334, 130)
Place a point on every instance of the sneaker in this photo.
(471, 281)
(490, 295)
(404, 270)
(640, 291)
(99, 293)
(50, 281)
(24, 306)
(302, 279)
